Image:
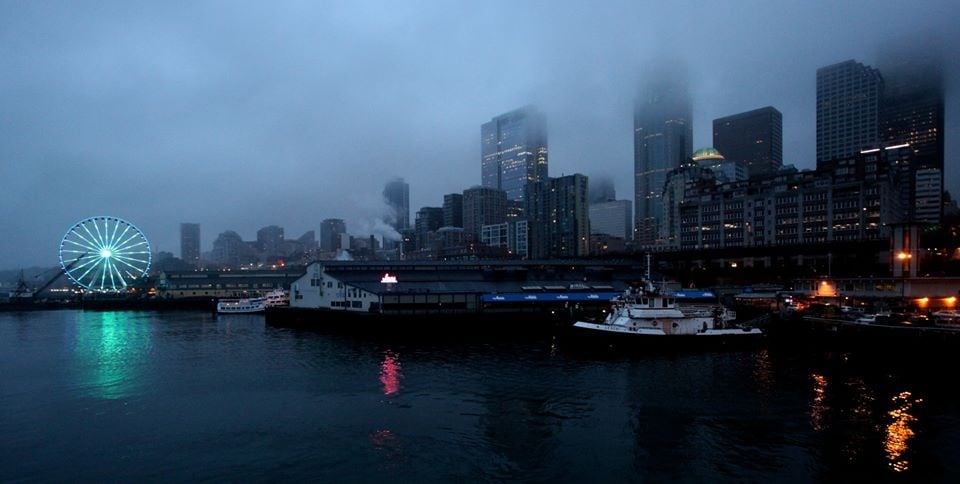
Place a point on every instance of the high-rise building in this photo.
(558, 217)
(483, 206)
(429, 219)
(754, 138)
(928, 195)
(453, 210)
(848, 109)
(612, 218)
(662, 141)
(514, 151)
(331, 232)
(691, 177)
(270, 243)
(912, 113)
(229, 250)
(913, 99)
(190, 244)
(396, 194)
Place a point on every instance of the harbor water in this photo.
(93, 396)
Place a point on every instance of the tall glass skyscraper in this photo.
(662, 141)
(513, 149)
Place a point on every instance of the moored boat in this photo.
(243, 305)
(650, 316)
(277, 298)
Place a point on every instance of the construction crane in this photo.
(23, 292)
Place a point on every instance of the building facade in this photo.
(612, 218)
(453, 210)
(428, 221)
(483, 206)
(512, 235)
(928, 195)
(514, 151)
(190, 244)
(662, 141)
(848, 109)
(913, 113)
(332, 231)
(558, 215)
(231, 251)
(849, 200)
(270, 243)
(754, 138)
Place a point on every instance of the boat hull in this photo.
(623, 337)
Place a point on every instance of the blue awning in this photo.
(694, 294)
(549, 297)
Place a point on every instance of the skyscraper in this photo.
(397, 196)
(190, 244)
(483, 206)
(558, 217)
(848, 109)
(912, 113)
(662, 140)
(514, 151)
(270, 243)
(429, 219)
(754, 138)
(331, 231)
(453, 210)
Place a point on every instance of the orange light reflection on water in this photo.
(818, 407)
(898, 431)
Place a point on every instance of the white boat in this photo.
(243, 305)
(649, 315)
(277, 298)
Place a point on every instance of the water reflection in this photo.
(898, 431)
(109, 347)
(818, 407)
(390, 373)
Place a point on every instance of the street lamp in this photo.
(904, 258)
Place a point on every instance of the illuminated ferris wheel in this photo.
(104, 254)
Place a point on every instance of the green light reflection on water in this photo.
(110, 349)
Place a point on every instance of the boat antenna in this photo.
(649, 257)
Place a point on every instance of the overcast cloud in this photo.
(240, 115)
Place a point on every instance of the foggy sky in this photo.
(239, 116)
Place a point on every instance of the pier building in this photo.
(461, 287)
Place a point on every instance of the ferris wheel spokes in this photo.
(112, 252)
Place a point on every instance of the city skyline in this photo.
(140, 114)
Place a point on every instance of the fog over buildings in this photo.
(239, 117)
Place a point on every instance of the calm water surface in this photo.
(176, 396)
